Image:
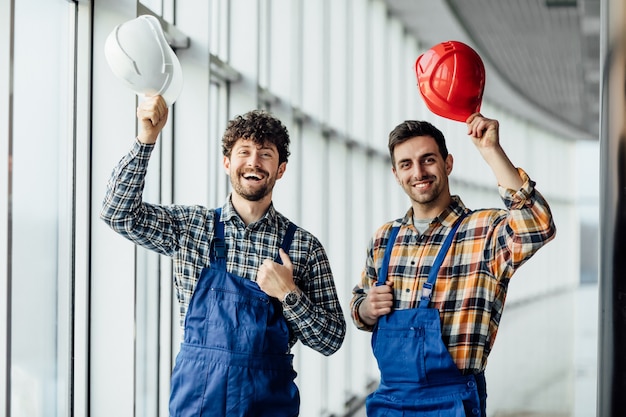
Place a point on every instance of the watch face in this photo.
(291, 298)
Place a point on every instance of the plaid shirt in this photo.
(471, 286)
(185, 234)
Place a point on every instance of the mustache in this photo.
(254, 171)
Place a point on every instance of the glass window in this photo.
(42, 230)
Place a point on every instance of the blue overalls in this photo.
(417, 374)
(234, 360)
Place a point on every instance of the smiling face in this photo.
(423, 174)
(253, 169)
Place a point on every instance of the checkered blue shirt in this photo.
(185, 234)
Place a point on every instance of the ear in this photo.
(226, 163)
(395, 174)
(281, 170)
(449, 164)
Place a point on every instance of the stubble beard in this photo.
(429, 198)
(251, 194)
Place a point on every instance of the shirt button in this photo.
(475, 411)
(471, 384)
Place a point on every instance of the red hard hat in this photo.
(451, 80)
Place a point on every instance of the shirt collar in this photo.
(229, 213)
(447, 217)
(451, 214)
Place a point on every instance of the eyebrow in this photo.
(249, 143)
(426, 155)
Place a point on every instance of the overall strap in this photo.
(427, 289)
(218, 247)
(382, 273)
(287, 239)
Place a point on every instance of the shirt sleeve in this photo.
(317, 320)
(148, 225)
(358, 296)
(529, 226)
(359, 292)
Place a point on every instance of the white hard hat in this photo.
(139, 55)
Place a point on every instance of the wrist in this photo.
(146, 139)
(292, 297)
(362, 317)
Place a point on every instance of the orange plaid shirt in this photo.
(471, 287)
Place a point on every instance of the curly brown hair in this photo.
(259, 126)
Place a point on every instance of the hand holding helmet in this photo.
(152, 116)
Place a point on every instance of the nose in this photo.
(254, 160)
(418, 171)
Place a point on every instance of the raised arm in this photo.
(486, 137)
(153, 226)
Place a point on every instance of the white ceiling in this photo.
(542, 60)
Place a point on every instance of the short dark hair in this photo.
(412, 128)
(259, 126)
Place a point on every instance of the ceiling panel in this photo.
(547, 55)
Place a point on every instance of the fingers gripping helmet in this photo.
(139, 55)
(451, 80)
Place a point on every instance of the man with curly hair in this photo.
(250, 283)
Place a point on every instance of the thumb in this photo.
(285, 258)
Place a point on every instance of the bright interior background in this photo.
(90, 326)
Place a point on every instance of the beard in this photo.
(425, 197)
(252, 193)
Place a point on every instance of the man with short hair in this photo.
(435, 281)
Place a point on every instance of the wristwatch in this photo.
(291, 298)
